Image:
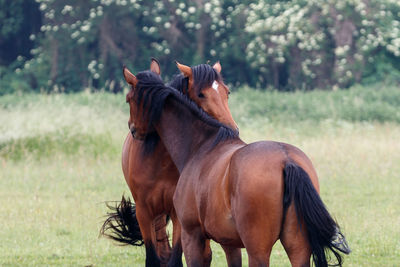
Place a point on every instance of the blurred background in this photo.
(321, 75)
(70, 46)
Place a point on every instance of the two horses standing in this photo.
(184, 159)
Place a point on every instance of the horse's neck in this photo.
(182, 133)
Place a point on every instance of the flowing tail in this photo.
(322, 231)
(122, 225)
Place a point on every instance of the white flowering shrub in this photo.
(298, 44)
(84, 43)
(311, 43)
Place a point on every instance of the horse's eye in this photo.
(201, 95)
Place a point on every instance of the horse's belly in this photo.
(223, 230)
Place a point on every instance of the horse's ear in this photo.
(155, 66)
(217, 67)
(129, 77)
(186, 70)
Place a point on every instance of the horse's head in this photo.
(207, 89)
(137, 123)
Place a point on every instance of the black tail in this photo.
(121, 224)
(322, 231)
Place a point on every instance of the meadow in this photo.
(60, 160)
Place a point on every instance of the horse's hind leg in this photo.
(295, 241)
(259, 257)
(233, 256)
(258, 215)
(259, 233)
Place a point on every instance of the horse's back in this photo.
(264, 159)
(257, 161)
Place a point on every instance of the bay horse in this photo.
(240, 195)
(151, 174)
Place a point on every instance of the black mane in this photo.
(152, 93)
(203, 76)
(180, 82)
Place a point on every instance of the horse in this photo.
(152, 176)
(239, 195)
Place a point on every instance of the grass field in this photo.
(60, 160)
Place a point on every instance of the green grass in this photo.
(60, 160)
(357, 104)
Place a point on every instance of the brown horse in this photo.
(240, 195)
(152, 176)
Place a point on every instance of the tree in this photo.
(319, 44)
(297, 44)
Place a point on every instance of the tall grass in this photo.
(60, 160)
(39, 125)
(354, 105)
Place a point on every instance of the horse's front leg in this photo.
(176, 256)
(196, 248)
(233, 256)
(163, 247)
(146, 228)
